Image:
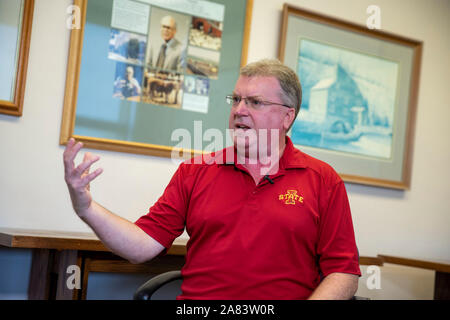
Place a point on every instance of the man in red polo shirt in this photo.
(263, 225)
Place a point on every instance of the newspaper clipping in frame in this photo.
(167, 53)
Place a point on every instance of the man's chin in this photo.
(239, 144)
(246, 149)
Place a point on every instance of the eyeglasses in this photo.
(251, 102)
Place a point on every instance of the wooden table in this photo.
(441, 267)
(53, 252)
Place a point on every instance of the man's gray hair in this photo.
(291, 94)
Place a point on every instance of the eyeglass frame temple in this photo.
(265, 102)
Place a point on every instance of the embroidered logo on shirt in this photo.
(290, 197)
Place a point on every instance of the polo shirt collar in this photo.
(292, 157)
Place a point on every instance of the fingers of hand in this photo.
(83, 168)
(70, 153)
(88, 157)
(78, 178)
(72, 149)
(86, 179)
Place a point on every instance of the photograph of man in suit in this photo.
(172, 53)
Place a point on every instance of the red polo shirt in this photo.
(274, 240)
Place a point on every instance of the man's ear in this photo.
(289, 118)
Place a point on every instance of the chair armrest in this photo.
(146, 291)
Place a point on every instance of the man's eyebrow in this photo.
(254, 96)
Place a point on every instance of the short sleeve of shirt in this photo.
(336, 246)
(165, 220)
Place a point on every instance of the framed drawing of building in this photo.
(359, 99)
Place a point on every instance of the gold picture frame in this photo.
(14, 106)
(68, 124)
(342, 119)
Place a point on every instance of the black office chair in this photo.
(146, 291)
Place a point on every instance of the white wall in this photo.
(413, 223)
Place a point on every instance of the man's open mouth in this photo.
(242, 126)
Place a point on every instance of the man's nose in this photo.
(241, 107)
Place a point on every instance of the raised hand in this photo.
(79, 178)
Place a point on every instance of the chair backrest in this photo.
(146, 291)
